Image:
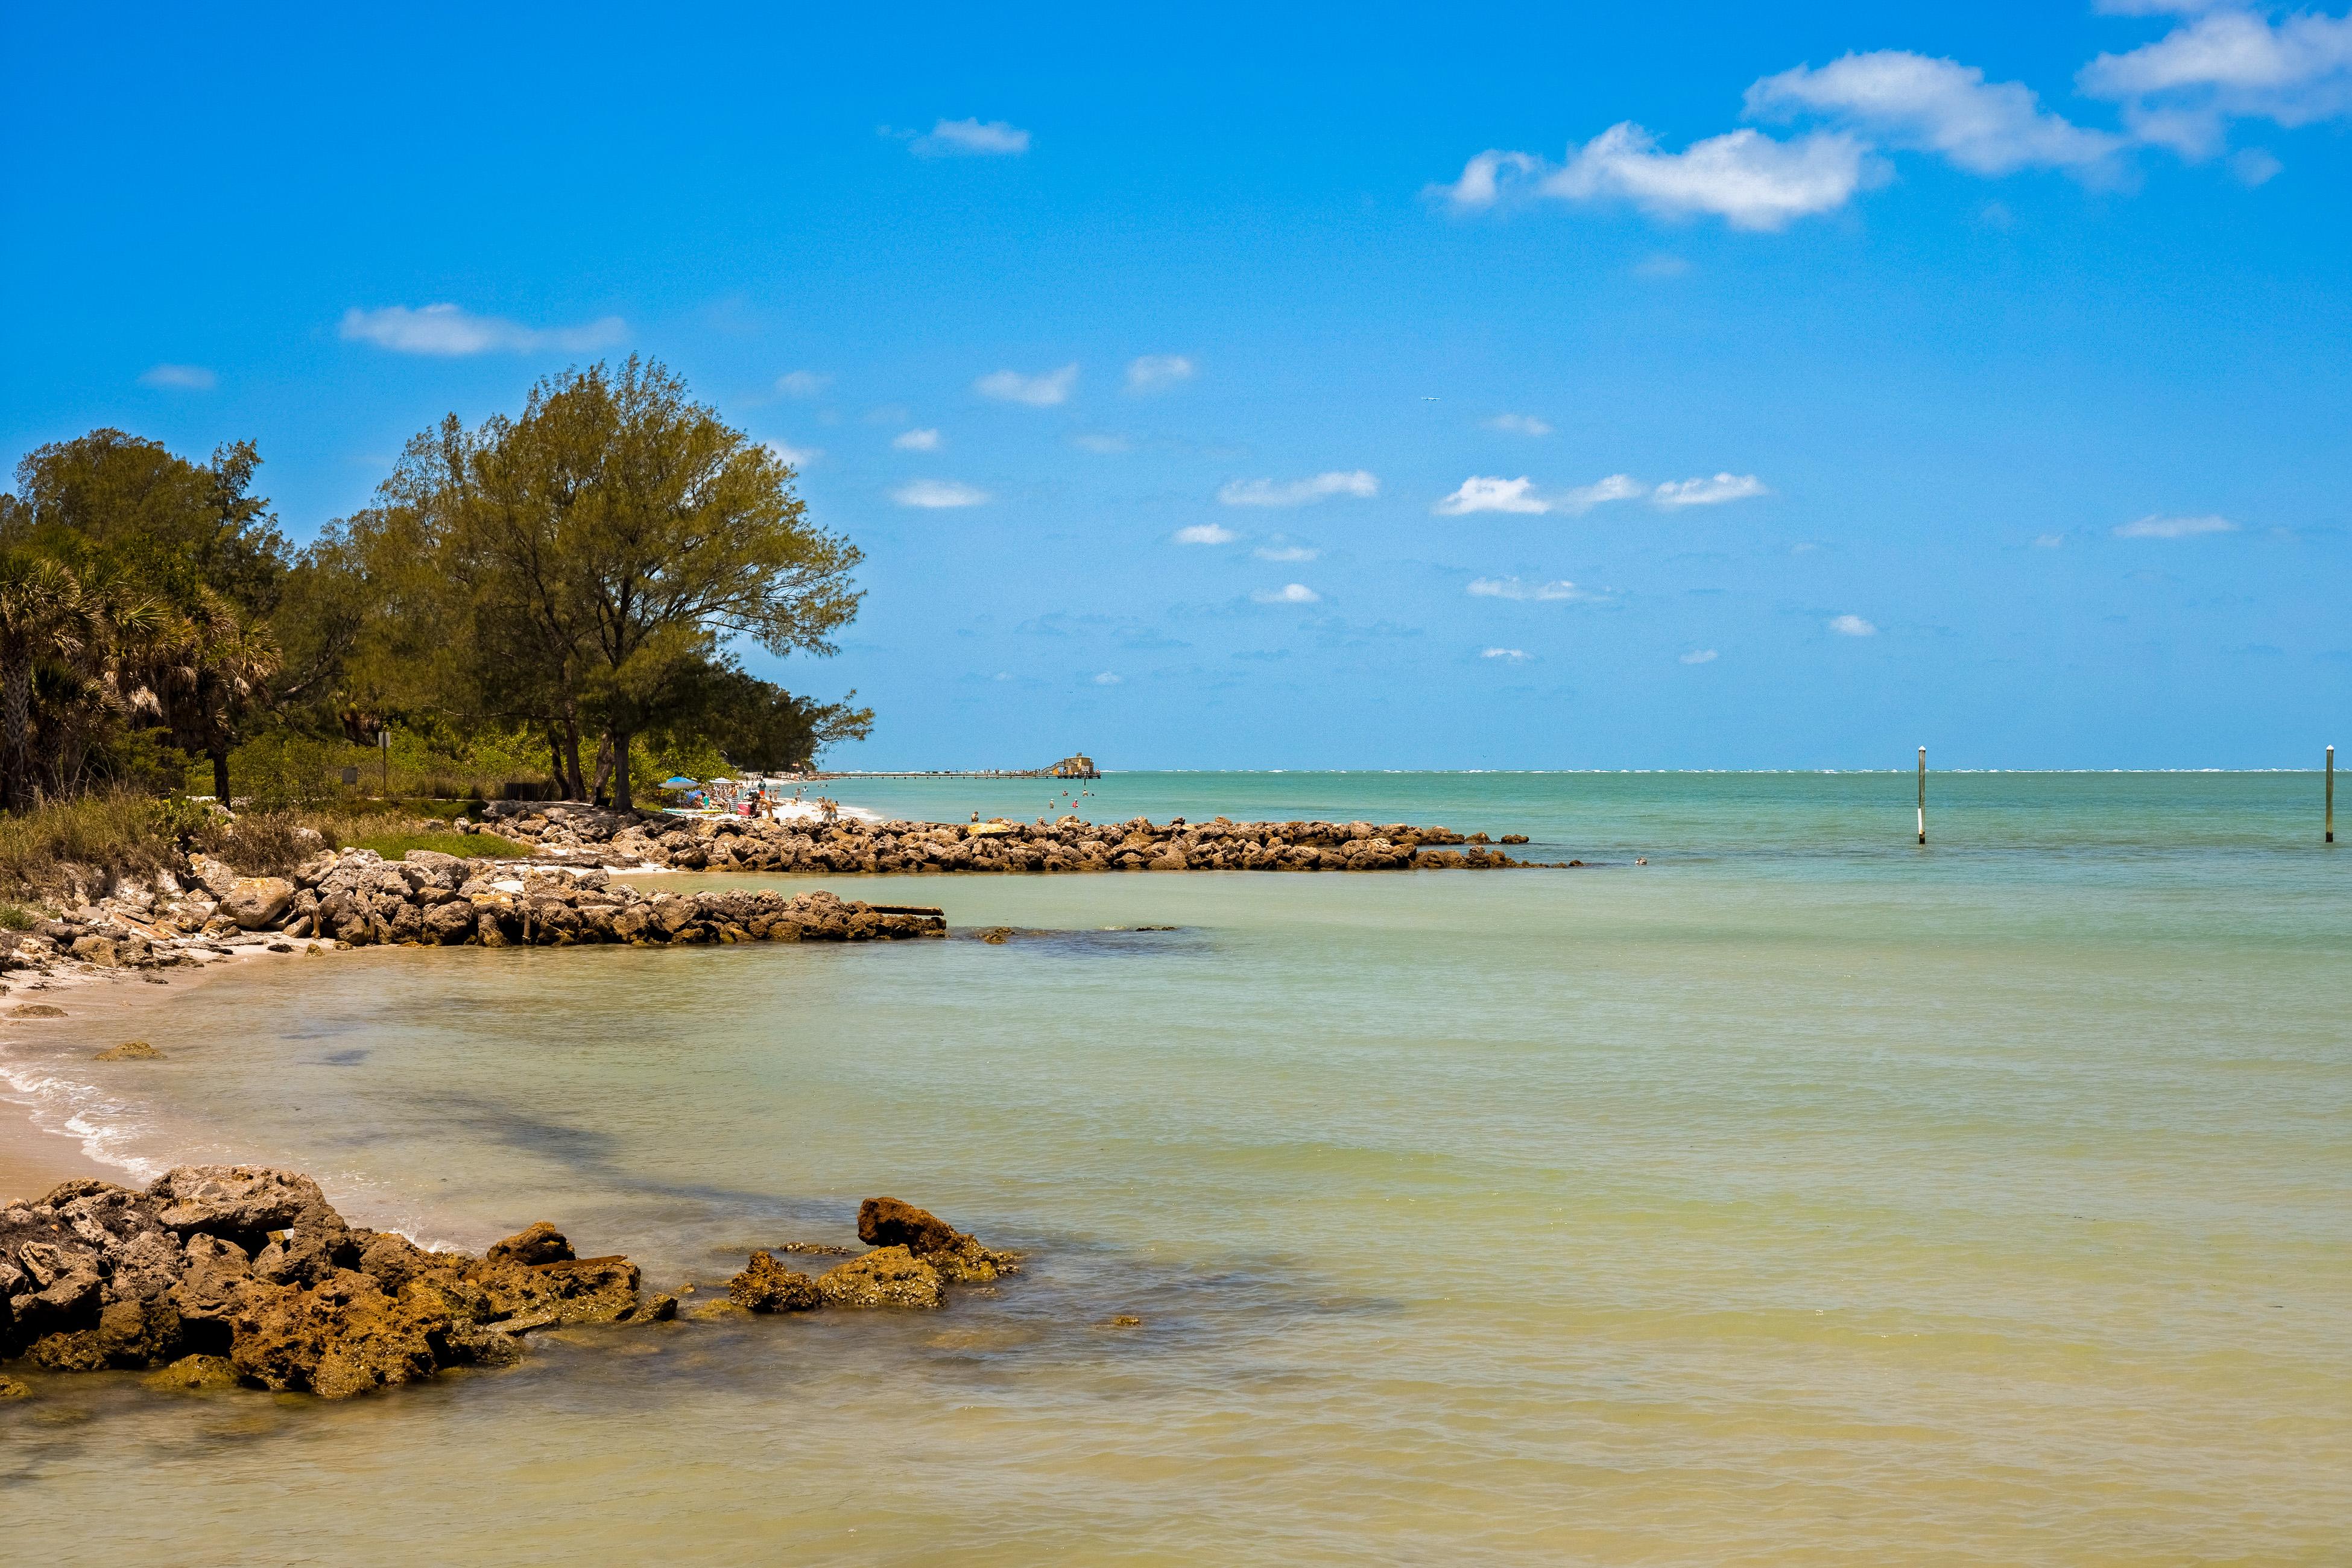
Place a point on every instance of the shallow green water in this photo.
(1798, 1197)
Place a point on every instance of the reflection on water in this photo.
(1984, 1207)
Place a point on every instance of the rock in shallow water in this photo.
(885, 1277)
(767, 1285)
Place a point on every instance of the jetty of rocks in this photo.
(221, 1275)
(596, 835)
(225, 1276)
(356, 898)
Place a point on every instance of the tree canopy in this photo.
(590, 568)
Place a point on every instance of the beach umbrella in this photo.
(681, 783)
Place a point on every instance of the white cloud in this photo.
(1290, 594)
(1106, 678)
(1745, 178)
(1939, 106)
(1853, 626)
(450, 332)
(2160, 527)
(1519, 424)
(1709, 492)
(1284, 553)
(1485, 493)
(1157, 373)
(2049, 540)
(2255, 166)
(179, 377)
(1205, 533)
(934, 493)
(1300, 492)
(1513, 588)
(970, 139)
(1106, 444)
(1042, 391)
(1495, 494)
(1511, 655)
(797, 456)
(2228, 63)
(802, 383)
(917, 441)
(1699, 656)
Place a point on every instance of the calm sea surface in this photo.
(1802, 1196)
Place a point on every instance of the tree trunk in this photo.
(19, 698)
(603, 768)
(554, 758)
(621, 771)
(575, 787)
(220, 773)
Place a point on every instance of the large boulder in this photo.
(257, 903)
(888, 1222)
(343, 1337)
(239, 1203)
(767, 1285)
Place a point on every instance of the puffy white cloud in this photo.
(1300, 492)
(1495, 494)
(1106, 678)
(970, 139)
(179, 377)
(1699, 656)
(1513, 588)
(1205, 533)
(1481, 493)
(1289, 594)
(802, 383)
(1157, 373)
(1745, 178)
(2228, 63)
(1509, 655)
(450, 332)
(1940, 106)
(1040, 391)
(917, 441)
(1519, 424)
(797, 456)
(2160, 527)
(1853, 626)
(1284, 553)
(935, 493)
(1708, 492)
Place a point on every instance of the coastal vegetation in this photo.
(556, 600)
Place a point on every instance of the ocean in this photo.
(1801, 1195)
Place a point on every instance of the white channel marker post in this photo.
(1923, 794)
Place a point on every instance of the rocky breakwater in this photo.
(221, 1275)
(593, 834)
(355, 898)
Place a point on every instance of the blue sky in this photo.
(1277, 387)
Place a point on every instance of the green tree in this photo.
(41, 619)
(594, 554)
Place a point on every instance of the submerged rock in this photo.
(885, 1277)
(130, 1051)
(767, 1285)
(193, 1372)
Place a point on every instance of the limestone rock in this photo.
(538, 1243)
(255, 903)
(137, 1333)
(193, 1372)
(885, 1277)
(240, 1202)
(888, 1222)
(130, 1051)
(767, 1285)
(12, 1389)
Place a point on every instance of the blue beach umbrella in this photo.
(681, 783)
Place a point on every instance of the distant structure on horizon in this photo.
(1077, 765)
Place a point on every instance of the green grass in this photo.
(15, 918)
(468, 846)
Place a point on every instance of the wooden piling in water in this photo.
(1923, 794)
(2331, 795)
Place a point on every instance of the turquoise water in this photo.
(1798, 1197)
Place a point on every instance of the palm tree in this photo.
(205, 670)
(42, 617)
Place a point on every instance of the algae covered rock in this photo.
(767, 1285)
(538, 1243)
(130, 1051)
(193, 1372)
(959, 1257)
(885, 1277)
